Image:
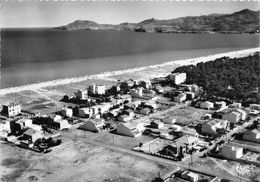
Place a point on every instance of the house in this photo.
(151, 105)
(97, 89)
(124, 118)
(190, 95)
(255, 106)
(220, 104)
(145, 83)
(190, 87)
(177, 78)
(231, 152)
(36, 127)
(232, 116)
(243, 114)
(137, 92)
(60, 124)
(190, 176)
(23, 123)
(157, 124)
(235, 105)
(132, 129)
(11, 110)
(158, 89)
(129, 112)
(56, 118)
(67, 112)
(206, 105)
(180, 98)
(252, 135)
(5, 128)
(85, 112)
(101, 108)
(145, 111)
(126, 98)
(169, 120)
(211, 127)
(81, 94)
(95, 125)
(32, 135)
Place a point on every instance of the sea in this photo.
(43, 54)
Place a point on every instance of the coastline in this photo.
(194, 61)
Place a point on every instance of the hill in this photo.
(245, 21)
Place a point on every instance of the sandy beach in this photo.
(106, 75)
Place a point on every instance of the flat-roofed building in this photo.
(97, 89)
(169, 120)
(81, 94)
(33, 135)
(206, 105)
(231, 152)
(190, 176)
(211, 127)
(157, 124)
(67, 112)
(5, 128)
(11, 110)
(85, 112)
(252, 135)
(235, 105)
(178, 78)
(243, 113)
(138, 92)
(125, 118)
(255, 106)
(232, 116)
(60, 124)
(180, 98)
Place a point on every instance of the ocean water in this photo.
(36, 55)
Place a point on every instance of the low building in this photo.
(11, 110)
(231, 152)
(137, 92)
(206, 105)
(252, 135)
(255, 106)
(243, 114)
(152, 105)
(190, 87)
(180, 98)
(157, 124)
(67, 112)
(85, 112)
(158, 89)
(232, 117)
(124, 118)
(126, 98)
(190, 95)
(235, 105)
(32, 135)
(220, 104)
(95, 125)
(130, 129)
(60, 124)
(145, 83)
(169, 120)
(178, 78)
(211, 127)
(190, 176)
(129, 112)
(81, 94)
(145, 111)
(5, 128)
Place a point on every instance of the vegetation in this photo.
(237, 79)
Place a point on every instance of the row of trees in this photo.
(237, 78)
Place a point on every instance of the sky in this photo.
(56, 13)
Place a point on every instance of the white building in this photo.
(85, 112)
(130, 129)
(137, 92)
(255, 106)
(126, 98)
(180, 98)
(95, 125)
(11, 110)
(232, 117)
(193, 177)
(67, 112)
(243, 114)
(32, 135)
(5, 128)
(206, 105)
(157, 124)
(61, 124)
(221, 104)
(81, 94)
(212, 126)
(178, 78)
(125, 118)
(232, 152)
(97, 89)
(235, 105)
(252, 135)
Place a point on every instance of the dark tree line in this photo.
(236, 78)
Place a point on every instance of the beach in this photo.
(108, 75)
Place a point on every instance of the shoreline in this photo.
(194, 61)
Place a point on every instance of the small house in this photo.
(232, 116)
(169, 120)
(207, 105)
(124, 118)
(133, 129)
(67, 112)
(157, 124)
(252, 135)
(32, 135)
(231, 152)
(95, 125)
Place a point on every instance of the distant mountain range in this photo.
(245, 21)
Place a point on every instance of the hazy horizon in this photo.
(51, 14)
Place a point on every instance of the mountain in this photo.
(245, 21)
